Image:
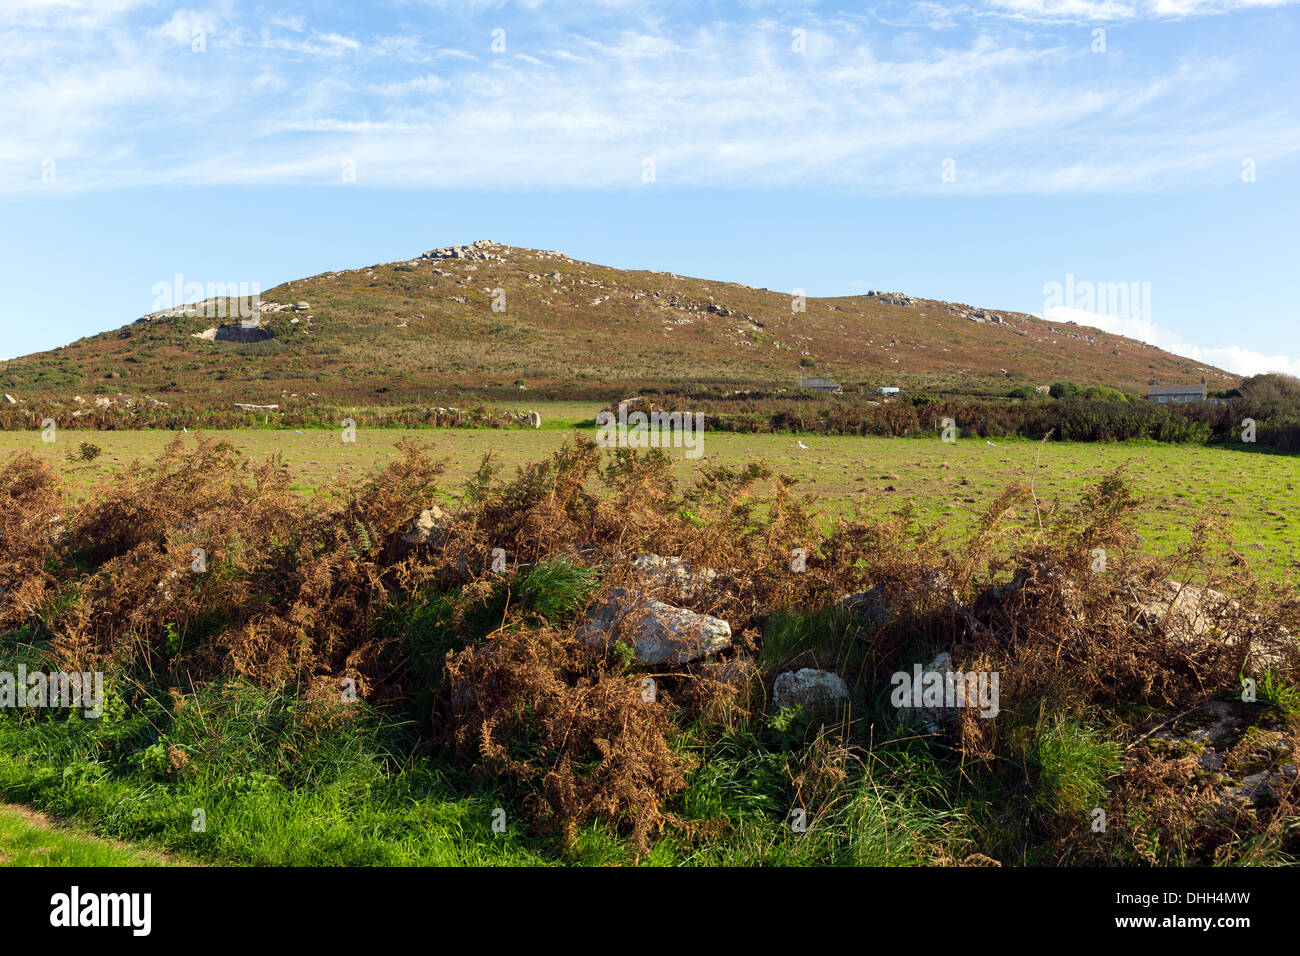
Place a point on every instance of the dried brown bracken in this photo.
(200, 566)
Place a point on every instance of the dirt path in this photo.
(62, 836)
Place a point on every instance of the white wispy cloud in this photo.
(184, 25)
(712, 103)
(1106, 11)
(1233, 358)
(66, 13)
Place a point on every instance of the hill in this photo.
(487, 320)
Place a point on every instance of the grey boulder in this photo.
(659, 633)
(810, 688)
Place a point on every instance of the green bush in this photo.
(1071, 762)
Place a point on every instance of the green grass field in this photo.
(362, 796)
(1256, 494)
(29, 838)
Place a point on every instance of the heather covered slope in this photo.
(484, 319)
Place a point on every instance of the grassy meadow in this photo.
(1255, 494)
(28, 838)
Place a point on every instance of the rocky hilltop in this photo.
(487, 318)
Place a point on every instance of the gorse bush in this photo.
(1092, 414)
(234, 621)
(146, 413)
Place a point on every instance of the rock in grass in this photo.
(869, 606)
(659, 633)
(927, 588)
(810, 688)
(1243, 753)
(739, 670)
(934, 719)
(1192, 617)
(428, 529)
(657, 571)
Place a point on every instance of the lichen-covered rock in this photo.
(482, 250)
(658, 632)
(926, 589)
(1192, 616)
(428, 529)
(869, 606)
(1187, 613)
(657, 571)
(810, 688)
(737, 670)
(244, 334)
(1243, 755)
(933, 719)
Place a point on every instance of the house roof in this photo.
(1176, 389)
(817, 383)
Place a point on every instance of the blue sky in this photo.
(972, 152)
